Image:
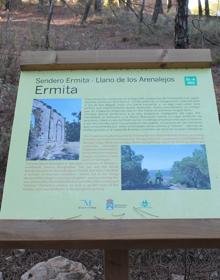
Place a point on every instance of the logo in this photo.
(145, 204)
(190, 81)
(86, 204)
(109, 204)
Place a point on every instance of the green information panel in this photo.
(114, 144)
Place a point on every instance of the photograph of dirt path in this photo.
(164, 167)
(92, 25)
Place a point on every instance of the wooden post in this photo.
(116, 264)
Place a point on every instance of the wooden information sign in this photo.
(115, 150)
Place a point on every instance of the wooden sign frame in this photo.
(115, 236)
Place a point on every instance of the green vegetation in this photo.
(73, 128)
(192, 171)
(131, 171)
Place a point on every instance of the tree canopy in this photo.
(192, 171)
(73, 128)
(131, 170)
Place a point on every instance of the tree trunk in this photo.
(12, 4)
(128, 4)
(207, 12)
(41, 5)
(169, 5)
(86, 12)
(120, 3)
(200, 8)
(158, 9)
(181, 25)
(98, 6)
(142, 11)
(7, 5)
(47, 43)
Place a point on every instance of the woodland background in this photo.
(104, 24)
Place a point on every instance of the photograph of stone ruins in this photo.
(54, 129)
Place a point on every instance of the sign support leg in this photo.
(116, 264)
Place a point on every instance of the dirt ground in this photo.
(24, 29)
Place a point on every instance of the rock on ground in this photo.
(58, 268)
(177, 277)
(19, 252)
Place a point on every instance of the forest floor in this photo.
(24, 29)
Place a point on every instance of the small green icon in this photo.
(190, 81)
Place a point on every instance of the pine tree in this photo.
(181, 25)
(200, 8)
(158, 9)
(207, 12)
